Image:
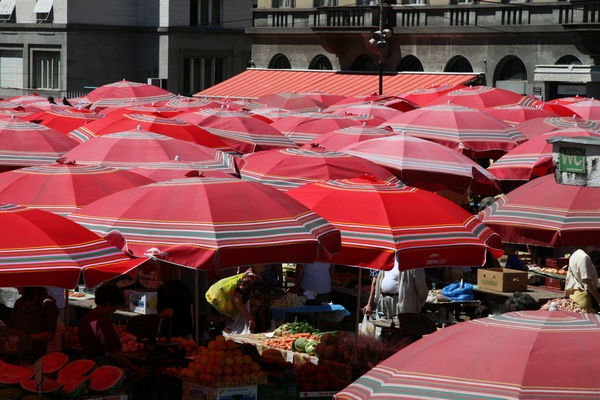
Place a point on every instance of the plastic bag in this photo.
(220, 294)
(459, 291)
(367, 328)
(239, 324)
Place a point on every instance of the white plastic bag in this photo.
(238, 324)
(367, 328)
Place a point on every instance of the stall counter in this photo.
(259, 340)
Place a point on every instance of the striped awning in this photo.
(254, 83)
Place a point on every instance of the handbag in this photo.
(584, 298)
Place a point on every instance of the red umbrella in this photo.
(325, 98)
(286, 169)
(475, 134)
(568, 100)
(379, 222)
(556, 108)
(152, 109)
(139, 147)
(272, 113)
(525, 355)
(14, 113)
(124, 93)
(186, 103)
(64, 120)
(424, 96)
(369, 109)
(239, 130)
(24, 143)
(515, 113)
(26, 99)
(401, 104)
(42, 248)
(167, 170)
(587, 109)
(303, 128)
(533, 158)
(479, 97)
(292, 101)
(175, 128)
(370, 98)
(213, 222)
(538, 126)
(6, 105)
(427, 165)
(64, 187)
(546, 213)
(341, 138)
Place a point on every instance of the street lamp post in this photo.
(379, 39)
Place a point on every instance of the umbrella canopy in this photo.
(569, 100)
(473, 133)
(427, 165)
(286, 169)
(325, 98)
(515, 113)
(26, 99)
(123, 93)
(478, 97)
(533, 158)
(271, 113)
(24, 143)
(151, 108)
(64, 120)
(556, 108)
(369, 109)
(401, 104)
(525, 355)
(64, 187)
(303, 128)
(239, 130)
(292, 101)
(213, 222)
(425, 96)
(341, 138)
(41, 248)
(165, 171)
(546, 213)
(379, 222)
(175, 128)
(139, 147)
(587, 109)
(186, 103)
(538, 126)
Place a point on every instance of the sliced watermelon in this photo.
(74, 386)
(11, 393)
(77, 368)
(106, 379)
(53, 362)
(12, 375)
(49, 387)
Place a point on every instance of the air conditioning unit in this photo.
(160, 82)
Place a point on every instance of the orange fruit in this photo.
(246, 368)
(228, 361)
(239, 360)
(220, 338)
(254, 367)
(217, 370)
(237, 352)
(231, 344)
(211, 345)
(227, 378)
(247, 359)
(227, 370)
(237, 370)
(236, 378)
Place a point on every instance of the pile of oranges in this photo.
(222, 360)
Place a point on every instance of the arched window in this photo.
(458, 64)
(510, 68)
(364, 63)
(320, 62)
(280, 61)
(568, 60)
(411, 64)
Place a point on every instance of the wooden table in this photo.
(89, 303)
(541, 294)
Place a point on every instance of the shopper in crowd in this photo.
(97, 336)
(244, 321)
(581, 284)
(175, 303)
(521, 301)
(315, 278)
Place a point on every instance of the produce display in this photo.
(295, 327)
(563, 305)
(287, 300)
(313, 377)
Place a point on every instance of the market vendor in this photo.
(98, 338)
(581, 284)
(175, 303)
(314, 277)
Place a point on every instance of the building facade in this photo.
(68, 47)
(544, 48)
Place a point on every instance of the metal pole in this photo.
(380, 75)
(380, 64)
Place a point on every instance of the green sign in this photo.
(571, 159)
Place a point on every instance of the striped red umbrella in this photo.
(518, 355)
(137, 147)
(303, 128)
(538, 126)
(64, 120)
(514, 114)
(551, 106)
(172, 127)
(41, 248)
(150, 108)
(239, 130)
(533, 158)
(124, 93)
(24, 144)
(213, 223)
(587, 109)
(467, 130)
(289, 168)
(186, 103)
(546, 213)
(64, 187)
(167, 170)
(271, 113)
(341, 138)
(292, 101)
(478, 97)
(379, 222)
(369, 109)
(427, 165)
(426, 95)
(569, 100)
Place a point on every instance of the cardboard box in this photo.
(194, 391)
(143, 301)
(317, 395)
(502, 280)
(278, 391)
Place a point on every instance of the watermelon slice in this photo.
(53, 362)
(11, 375)
(49, 387)
(77, 368)
(106, 379)
(74, 387)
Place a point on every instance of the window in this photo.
(458, 64)
(43, 11)
(283, 3)
(410, 63)
(325, 3)
(205, 13)
(46, 70)
(201, 73)
(7, 10)
(320, 62)
(280, 61)
(11, 68)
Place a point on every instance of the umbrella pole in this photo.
(196, 309)
(64, 340)
(357, 318)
